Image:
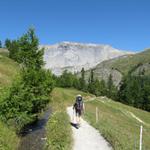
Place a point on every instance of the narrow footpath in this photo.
(86, 137)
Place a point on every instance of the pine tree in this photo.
(7, 43)
(96, 88)
(13, 47)
(82, 80)
(76, 83)
(134, 91)
(103, 89)
(109, 86)
(91, 87)
(25, 50)
(66, 79)
(146, 96)
(111, 89)
(30, 93)
(92, 76)
(30, 54)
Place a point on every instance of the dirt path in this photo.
(87, 137)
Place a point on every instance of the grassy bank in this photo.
(59, 135)
(119, 123)
(8, 70)
(8, 138)
(58, 132)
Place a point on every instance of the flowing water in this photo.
(34, 136)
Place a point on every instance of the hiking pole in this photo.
(73, 116)
(96, 114)
(84, 108)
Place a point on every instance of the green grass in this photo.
(59, 135)
(4, 52)
(8, 139)
(122, 65)
(117, 125)
(58, 132)
(115, 121)
(125, 64)
(8, 71)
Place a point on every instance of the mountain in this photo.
(74, 56)
(118, 67)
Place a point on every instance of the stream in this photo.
(34, 136)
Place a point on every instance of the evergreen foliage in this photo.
(135, 91)
(12, 47)
(67, 79)
(30, 93)
(83, 86)
(25, 50)
(111, 89)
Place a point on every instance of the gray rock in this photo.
(74, 56)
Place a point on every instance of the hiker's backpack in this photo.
(79, 103)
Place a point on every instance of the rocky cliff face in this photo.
(103, 70)
(136, 64)
(74, 56)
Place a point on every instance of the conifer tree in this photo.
(82, 80)
(111, 89)
(30, 93)
(103, 88)
(7, 43)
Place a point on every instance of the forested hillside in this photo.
(125, 79)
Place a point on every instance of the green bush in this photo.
(29, 94)
(26, 98)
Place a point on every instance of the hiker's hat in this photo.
(79, 95)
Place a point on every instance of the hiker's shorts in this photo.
(78, 112)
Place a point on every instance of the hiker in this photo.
(79, 108)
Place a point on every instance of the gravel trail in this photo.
(86, 137)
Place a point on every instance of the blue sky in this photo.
(124, 24)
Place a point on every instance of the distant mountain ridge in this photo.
(118, 67)
(74, 56)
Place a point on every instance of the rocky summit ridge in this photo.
(74, 56)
